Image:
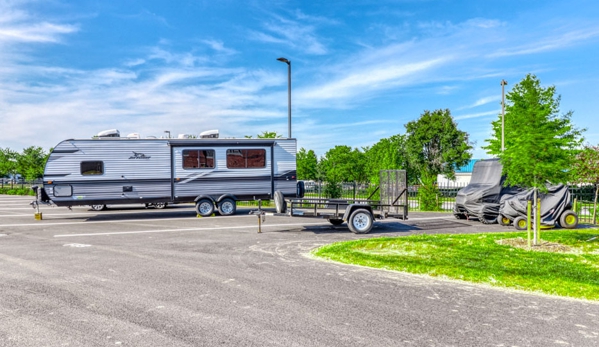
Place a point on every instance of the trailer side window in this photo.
(92, 168)
(198, 159)
(246, 158)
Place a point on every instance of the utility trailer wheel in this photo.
(503, 221)
(158, 205)
(568, 219)
(99, 207)
(227, 207)
(336, 221)
(520, 223)
(205, 207)
(360, 221)
(280, 203)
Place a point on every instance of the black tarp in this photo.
(555, 201)
(482, 197)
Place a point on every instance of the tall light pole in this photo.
(503, 84)
(288, 62)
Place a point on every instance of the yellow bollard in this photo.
(539, 220)
(528, 218)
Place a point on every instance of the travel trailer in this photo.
(211, 172)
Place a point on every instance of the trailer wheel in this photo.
(360, 221)
(568, 219)
(227, 207)
(99, 207)
(503, 221)
(336, 221)
(158, 205)
(520, 223)
(205, 207)
(280, 203)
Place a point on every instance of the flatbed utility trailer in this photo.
(359, 214)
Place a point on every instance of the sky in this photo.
(360, 70)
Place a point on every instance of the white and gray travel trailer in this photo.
(214, 173)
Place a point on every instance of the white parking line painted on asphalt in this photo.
(264, 226)
(118, 221)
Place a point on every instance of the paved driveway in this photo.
(141, 277)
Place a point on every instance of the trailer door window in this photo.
(246, 158)
(92, 168)
(198, 159)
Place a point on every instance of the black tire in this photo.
(227, 207)
(98, 207)
(159, 205)
(280, 204)
(503, 221)
(360, 221)
(336, 221)
(520, 223)
(205, 207)
(568, 219)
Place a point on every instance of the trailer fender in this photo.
(225, 196)
(352, 207)
(199, 197)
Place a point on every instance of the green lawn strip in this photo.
(479, 258)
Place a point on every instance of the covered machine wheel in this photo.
(568, 219)
(205, 207)
(158, 205)
(227, 207)
(503, 221)
(520, 223)
(360, 221)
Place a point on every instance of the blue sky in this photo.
(360, 69)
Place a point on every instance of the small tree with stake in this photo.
(586, 169)
(540, 144)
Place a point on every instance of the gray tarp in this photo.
(553, 203)
(482, 197)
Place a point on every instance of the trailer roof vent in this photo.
(150, 137)
(209, 134)
(134, 136)
(185, 136)
(109, 133)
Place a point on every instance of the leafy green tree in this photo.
(8, 162)
(387, 154)
(586, 170)
(31, 163)
(342, 164)
(540, 143)
(434, 146)
(307, 165)
(266, 135)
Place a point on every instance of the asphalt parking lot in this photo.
(145, 277)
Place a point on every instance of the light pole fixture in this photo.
(503, 84)
(288, 62)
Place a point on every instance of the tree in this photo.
(342, 164)
(31, 163)
(8, 162)
(307, 165)
(387, 154)
(434, 146)
(266, 135)
(540, 144)
(586, 170)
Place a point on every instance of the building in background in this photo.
(462, 176)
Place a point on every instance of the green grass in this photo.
(479, 258)
(16, 190)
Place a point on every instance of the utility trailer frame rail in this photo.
(359, 214)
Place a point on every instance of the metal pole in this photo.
(288, 62)
(503, 83)
(289, 98)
